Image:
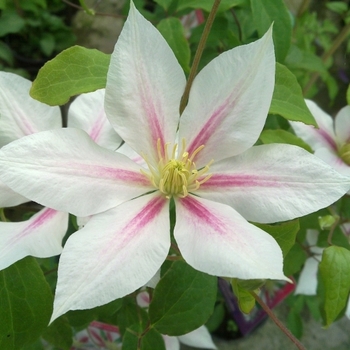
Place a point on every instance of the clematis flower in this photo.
(41, 235)
(331, 141)
(307, 283)
(204, 162)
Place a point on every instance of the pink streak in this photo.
(95, 131)
(211, 125)
(241, 180)
(195, 208)
(327, 138)
(22, 122)
(42, 219)
(127, 176)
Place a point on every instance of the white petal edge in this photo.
(40, 236)
(276, 182)
(21, 115)
(199, 338)
(323, 136)
(171, 343)
(87, 112)
(215, 239)
(65, 170)
(117, 252)
(342, 125)
(307, 283)
(144, 86)
(229, 101)
(10, 198)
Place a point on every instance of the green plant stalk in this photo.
(278, 323)
(337, 42)
(198, 54)
(86, 9)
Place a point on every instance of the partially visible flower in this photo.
(204, 162)
(41, 235)
(307, 282)
(331, 140)
(199, 338)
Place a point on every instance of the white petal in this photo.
(87, 112)
(307, 283)
(144, 86)
(342, 125)
(20, 114)
(323, 136)
(130, 153)
(116, 252)
(199, 338)
(276, 182)
(40, 236)
(171, 343)
(143, 299)
(65, 170)
(9, 198)
(311, 238)
(333, 160)
(229, 101)
(215, 239)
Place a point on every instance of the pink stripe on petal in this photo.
(201, 212)
(241, 180)
(95, 131)
(328, 138)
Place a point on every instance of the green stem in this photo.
(86, 9)
(279, 324)
(198, 54)
(336, 43)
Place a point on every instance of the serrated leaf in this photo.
(183, 300)
(246, 301)
(72, 72)
(284, 234)
(173, 32)
(287, 99)
(207, 5)
(274, 11)
(283, 136)
(59, 334)
(25, 304)
(335, 273)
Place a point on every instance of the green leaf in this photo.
(6, 54)
(217, 318)
(25, 304)
(104, 313)
(335, 273)
(173, 32)
(10, 22)
(164, 3)
(348, 95)
(287, 99)
(246, 301)
(208, 4)
(295, 323)
(337, 6)
(283, 136)
(183, 300)
(284, 234)
(130, 315)
(151, 340)
(59, 334)
(274, 11)
(294, 260)
(72, 72)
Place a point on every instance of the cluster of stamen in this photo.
(176, 175)
(344, 153)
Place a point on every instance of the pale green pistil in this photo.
(344, 153)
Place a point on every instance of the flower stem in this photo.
(198, 54)
(279, 324)
(336, 43)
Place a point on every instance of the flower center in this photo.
(344, 153)
(177, 174)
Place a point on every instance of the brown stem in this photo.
(279, 324)
(198, 54)
(303, 7)
(336, 43)
(235, 18)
